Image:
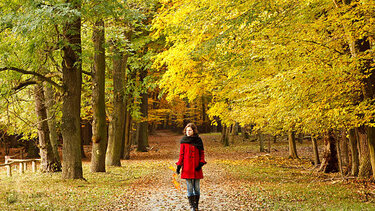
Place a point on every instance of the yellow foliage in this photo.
(279, 65)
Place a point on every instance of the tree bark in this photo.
(292, 145)
(118, 115)
(48, 163)
(127, 143)
(365, 169)
(261, 142)
(72, 82)
(315, 150)
(354, 152)
(330, 159)
(99, 124)
(54, 137)
(345, 151)
(232, 134)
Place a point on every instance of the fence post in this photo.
(33, 165)
(9, 170)
(21, 167)
(25, 166)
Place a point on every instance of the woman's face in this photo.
(189, 131)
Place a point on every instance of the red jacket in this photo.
(190, 157)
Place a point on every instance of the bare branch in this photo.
(42, 77)
(24, 84)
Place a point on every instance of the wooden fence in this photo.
(9, 162)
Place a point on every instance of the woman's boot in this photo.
(196, 201)
(192, 202)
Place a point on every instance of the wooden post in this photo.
(9, 170)
(25, 166)
(33, 166)
(21, 167)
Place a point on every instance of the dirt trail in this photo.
(156, 191)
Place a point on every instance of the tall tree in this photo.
(365, 168)
(353, 142)
(330, 159)
(315, 150)
(51, 116)
(99, 125)
(72, 82)
(117, 119)
(292, 145)
(49, 162)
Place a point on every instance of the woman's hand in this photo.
(199, 167)
(178, 169)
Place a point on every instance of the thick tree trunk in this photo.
(72, 82)
(354, 152)
(143, 125)
(118, 115)
(99, 124)
(330, 159)
(49, 163)
(365, 169)
(292, 145)
(54, 137)
(315, 150)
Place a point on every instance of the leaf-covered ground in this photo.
(236, 178)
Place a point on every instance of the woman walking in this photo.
(191, 160)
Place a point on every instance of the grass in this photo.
(276, 185)
(264, 181)
(39, 191)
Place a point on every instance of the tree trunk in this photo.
(261, 142)
(292, 145)
(118, 115)
(226, 136)
(345, 151)
(371, 146)
(339, 156)
(99, 124)
(143, 125)
(71, 107)
(365, 168)
(330, 160)
(354, 151)
(232, 134)
(49, 163)
(127, 143)
(54, 137)
(315, 150)
(223, 134)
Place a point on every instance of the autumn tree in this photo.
(280, 66)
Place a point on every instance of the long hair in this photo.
(193, 127)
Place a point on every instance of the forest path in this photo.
(157, 192)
